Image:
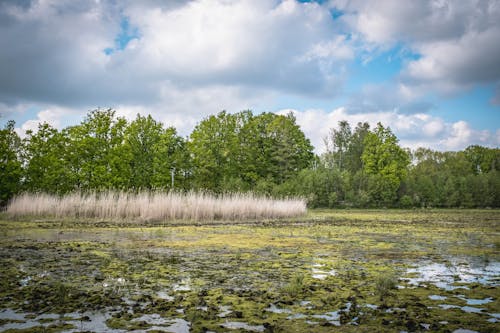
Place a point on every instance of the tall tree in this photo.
(47, 166)
(98, 157)
(214, 145)
(10, 163)
(386, 163)
(141, 143)
(337, 145)
(171, 162)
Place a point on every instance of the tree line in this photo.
(265, 153)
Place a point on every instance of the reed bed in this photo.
(154, 206)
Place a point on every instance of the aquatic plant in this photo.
(295, 286)
(154, 206)
(385, 283)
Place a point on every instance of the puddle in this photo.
(334, 316)
(225, 310)
(307, 304)
(392, 310)
(89, 321)
(437, 297)
(448, 306)
(178, 326)
(321, 275)
(426, 326)
(94, 321)
(152, 319)
(236, 325)
(24, 282)
(296, 316)
(272, 308)
(469, 309)
(112, 282)
(471, 301)
(446, 276)
(495, 317)
(331, 317)
(184, 285)
(165, 296)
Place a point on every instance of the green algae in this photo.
(190, 272)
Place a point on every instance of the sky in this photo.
(428, 69)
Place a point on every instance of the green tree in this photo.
(337, 145)
(356, 147)
(483, 159)
(281, 149)
(98, 157)
(386, 164)
(214, 145)
(47, 167)
(171, 159)
(10, 163)
(141, 143)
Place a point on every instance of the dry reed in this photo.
(154, 206)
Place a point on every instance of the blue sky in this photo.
(428, 69)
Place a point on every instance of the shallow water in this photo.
(455, 275)
(245, 278)
(235, 325)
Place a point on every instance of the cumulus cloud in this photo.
(413, 130)
(52, 115)
(183, 109)
(73, 52)
(455, 41)
(382, 97)
(182, 60)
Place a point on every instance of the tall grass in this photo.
(154, 206)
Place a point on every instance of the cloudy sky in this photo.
(428, 69)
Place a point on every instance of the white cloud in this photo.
(455, 41)
(183, 109)
(451, 66)
(433, 128)
(413, 130)
(245, 43)
(194, 58)
(53, 52)
(53, 115)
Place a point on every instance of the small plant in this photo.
(295, 286)
(385, 283)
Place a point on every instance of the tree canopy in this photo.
(265, 153)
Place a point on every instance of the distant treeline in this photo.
(242, 152)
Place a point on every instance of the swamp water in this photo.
(292, 277)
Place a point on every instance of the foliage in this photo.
(10, 164)
(235, 152)
(47, 166)
(267, 154)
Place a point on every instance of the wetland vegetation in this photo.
(100, 234)
(331, 270)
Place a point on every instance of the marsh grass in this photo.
(295, 286)
(154, 206)
(384, 283)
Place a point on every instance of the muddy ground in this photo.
(340, 271)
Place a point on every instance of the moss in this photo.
(78, 267)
